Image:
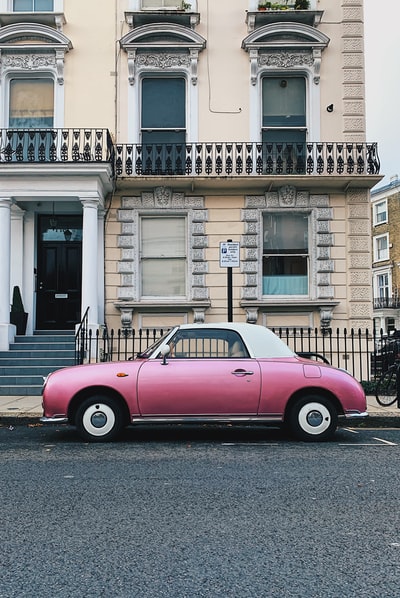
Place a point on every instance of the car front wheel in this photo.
(99, 419)
(313, 419)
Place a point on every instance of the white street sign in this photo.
(229, 254)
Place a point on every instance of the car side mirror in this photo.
(165, 350)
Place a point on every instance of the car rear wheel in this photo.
(313, 419)
(99, 419)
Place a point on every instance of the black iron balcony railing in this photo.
(187, 159)
(386, 302)
(246, 159)
(55, 145)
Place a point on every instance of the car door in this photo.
(196, 387)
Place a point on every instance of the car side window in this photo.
(207, 344)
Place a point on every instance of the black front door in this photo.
(59, 273)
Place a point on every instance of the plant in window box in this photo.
(185, 6)
(18, 316)
(264, 6)
(302, 5)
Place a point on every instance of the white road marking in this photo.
(386, 442)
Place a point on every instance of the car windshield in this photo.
(147, 352)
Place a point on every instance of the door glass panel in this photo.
(61, 228)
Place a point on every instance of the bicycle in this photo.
(388, 386)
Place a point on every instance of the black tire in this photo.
(313, 419)
(99, 419)
(386, 388)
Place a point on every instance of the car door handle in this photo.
(242, 373)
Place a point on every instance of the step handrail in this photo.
(81, 338)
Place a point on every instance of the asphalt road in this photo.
(199, 512)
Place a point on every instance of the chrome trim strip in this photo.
(354, 414)
(157, 419)
(56, 419)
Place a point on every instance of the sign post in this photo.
(229, 257)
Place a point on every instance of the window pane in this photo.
(285, 259)
(285, 233)
(159, 3)
(31, 103)
(163, 237)
(32, 5)
(163, 253)
(382, 248)
(284, 102)
(163, 103)
(380, 212)
(164, 277)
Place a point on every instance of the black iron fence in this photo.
(362, 353)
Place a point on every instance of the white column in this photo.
(90, 261)
(101, 266)
(7, 331)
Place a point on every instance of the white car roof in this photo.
(260, 341)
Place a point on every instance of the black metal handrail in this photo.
(81, 338)
(246, 159)
(56, 146)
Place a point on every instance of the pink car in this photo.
(206, 373)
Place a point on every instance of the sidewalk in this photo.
(23, 409)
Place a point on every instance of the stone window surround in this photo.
(321, 241)
(45, 59)
(162, 200)
(163, 59)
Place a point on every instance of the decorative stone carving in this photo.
(325, 315)
(287, 196)
(162, 197)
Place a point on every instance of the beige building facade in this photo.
(138, 137)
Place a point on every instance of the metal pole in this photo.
(229, 289)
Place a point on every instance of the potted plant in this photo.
(18, 316)
(264, 5)
(302, 5)
(185, 6)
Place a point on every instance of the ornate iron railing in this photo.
(55, 145)
(246, 159)
(187, 159)
(386, 302)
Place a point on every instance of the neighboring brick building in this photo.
(137, 136)
(386, 255)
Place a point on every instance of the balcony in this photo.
(340, 163)
(204, 165)
(386, 303)
(52, 146)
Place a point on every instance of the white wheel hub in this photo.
(314, 418)
(98, 419)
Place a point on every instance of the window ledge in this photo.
(127, 309)
(52, 19)
(257, 19)
(149, 16)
